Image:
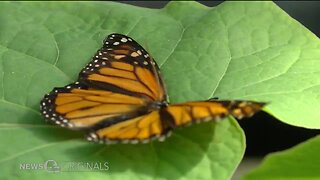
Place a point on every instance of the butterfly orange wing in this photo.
(78, 107)
(190, 112)
(119, 83)
(120, 97)
(139, 129)
(123, 66)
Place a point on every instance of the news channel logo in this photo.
(53, 166)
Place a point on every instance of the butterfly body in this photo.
(120, 97)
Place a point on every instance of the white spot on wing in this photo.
(124, 40)
(162, 138)
(93, 135)
(134, 141)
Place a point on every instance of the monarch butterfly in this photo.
(120, 97)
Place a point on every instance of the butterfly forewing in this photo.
(78, 106)
(123, 65)
(190, 112)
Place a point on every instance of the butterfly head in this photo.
(158, 105)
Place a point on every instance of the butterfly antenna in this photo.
(213, 99)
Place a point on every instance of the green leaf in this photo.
(233, 51)
(215, 148)
(249, 50)
(300, 162)
(44, 45)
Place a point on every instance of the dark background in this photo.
(264, 133)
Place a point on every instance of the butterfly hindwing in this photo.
(140, 129)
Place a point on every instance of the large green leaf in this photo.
(235, 50)
(44, 45)
(212, 153)
(300, 162)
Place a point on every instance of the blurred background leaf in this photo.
(300, 162)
